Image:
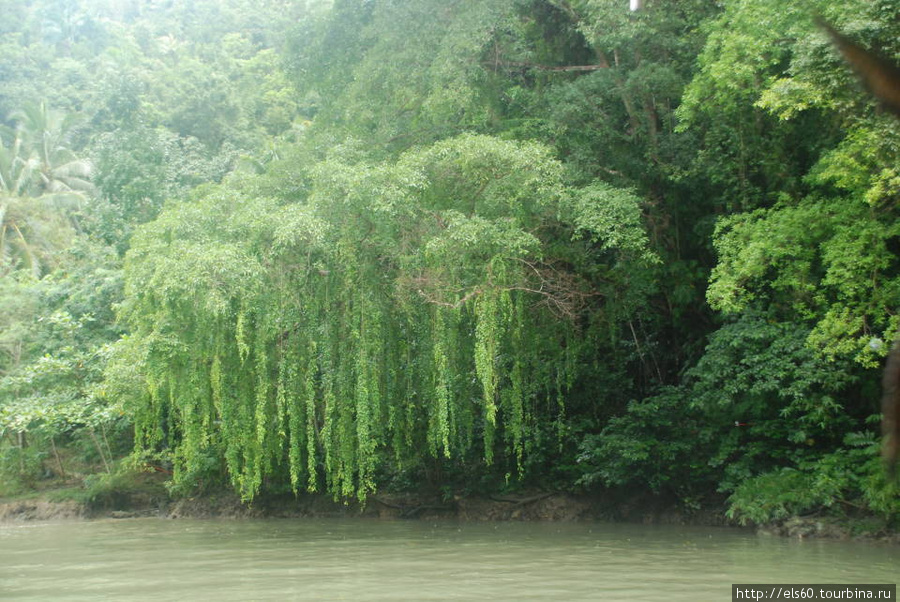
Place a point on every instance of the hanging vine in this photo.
(310, 341)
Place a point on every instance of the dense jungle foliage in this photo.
(450, 246)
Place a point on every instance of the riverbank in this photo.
(151, 499)
(531, 506)
(130, 494)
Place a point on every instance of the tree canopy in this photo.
(462, 246)
(424, 303)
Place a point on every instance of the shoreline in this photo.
(536, 507)
(542, 506)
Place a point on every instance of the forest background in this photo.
(461, 247)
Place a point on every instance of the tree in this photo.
(825, 253)
(47, 136)
(53, 350)
(404, 305)
(42, 184)
(815, 248)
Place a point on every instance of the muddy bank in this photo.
(828, 528)
(536, 507)
(533, 506)
(40, 510)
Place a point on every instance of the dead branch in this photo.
(522, 501)
(553, 68)
(412, 511)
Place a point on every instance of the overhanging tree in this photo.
(437, 302)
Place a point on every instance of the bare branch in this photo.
(557, 68)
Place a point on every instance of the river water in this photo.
(362, 559)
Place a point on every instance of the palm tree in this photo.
(32, 230)
(47, 134)
(16, 169)
(42, 182)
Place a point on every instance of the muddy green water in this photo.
(347, 559)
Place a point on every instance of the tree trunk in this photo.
(62, 473)
(890, 409)
(100, 450)
(23, 443)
